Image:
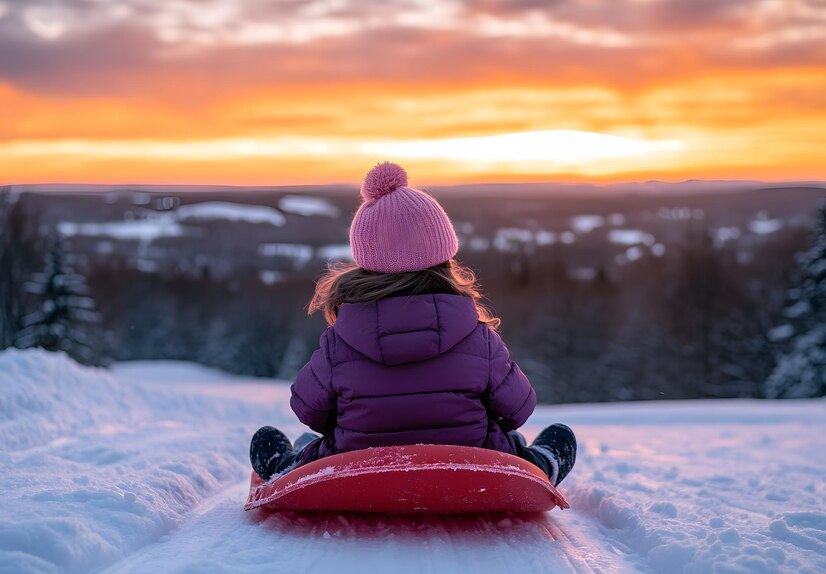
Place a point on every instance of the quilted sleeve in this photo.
(509, 398)
(313, 400)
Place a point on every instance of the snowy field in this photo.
(144, 469)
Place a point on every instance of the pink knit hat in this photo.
(397, 228)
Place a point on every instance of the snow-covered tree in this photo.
(801, 369)
(65, 317)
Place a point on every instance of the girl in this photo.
(411, 356)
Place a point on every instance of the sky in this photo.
(268, 92)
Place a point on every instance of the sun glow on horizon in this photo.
(509, 154)
(241, 92)
(555, 148)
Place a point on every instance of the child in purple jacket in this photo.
(411, 356)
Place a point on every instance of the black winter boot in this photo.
(304, 440)
(531, 454)
(557, 444)
(270, 452)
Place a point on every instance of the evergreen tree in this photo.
(66, 315)
(221, 347)
(801, 369)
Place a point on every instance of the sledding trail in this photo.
(219, 537)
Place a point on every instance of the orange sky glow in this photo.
(262, 92)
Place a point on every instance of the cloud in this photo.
(95, 47)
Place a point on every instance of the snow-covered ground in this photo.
(144, 469)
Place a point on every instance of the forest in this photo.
(649, 295)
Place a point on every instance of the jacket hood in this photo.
(406, 329)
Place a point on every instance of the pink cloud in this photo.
(184, 47)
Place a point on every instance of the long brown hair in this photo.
(349, 283)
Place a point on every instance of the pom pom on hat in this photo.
(383, 179)
(396, 228)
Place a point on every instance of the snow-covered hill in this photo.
(144, 469)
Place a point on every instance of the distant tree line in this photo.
(691, 325)
(701, 322)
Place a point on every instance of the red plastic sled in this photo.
(418, 478)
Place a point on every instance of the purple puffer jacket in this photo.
(418, 369)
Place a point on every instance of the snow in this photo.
(479, 244)
(678, 213)
(765, 226)
(300, 254)
(630, 237)
(633, 253)
(586, 223)
(231, 212)
(464, 227)
(167, 223)
(306, 206)
(141, 229)
(509, 239)
(544, 237)
(781, 332)
(723, 235)
(270, 276)
(340, 252)
(143, 468)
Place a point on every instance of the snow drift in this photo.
(144, 469)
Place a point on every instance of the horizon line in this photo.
(356, 185)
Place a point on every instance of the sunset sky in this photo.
(271, 92)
